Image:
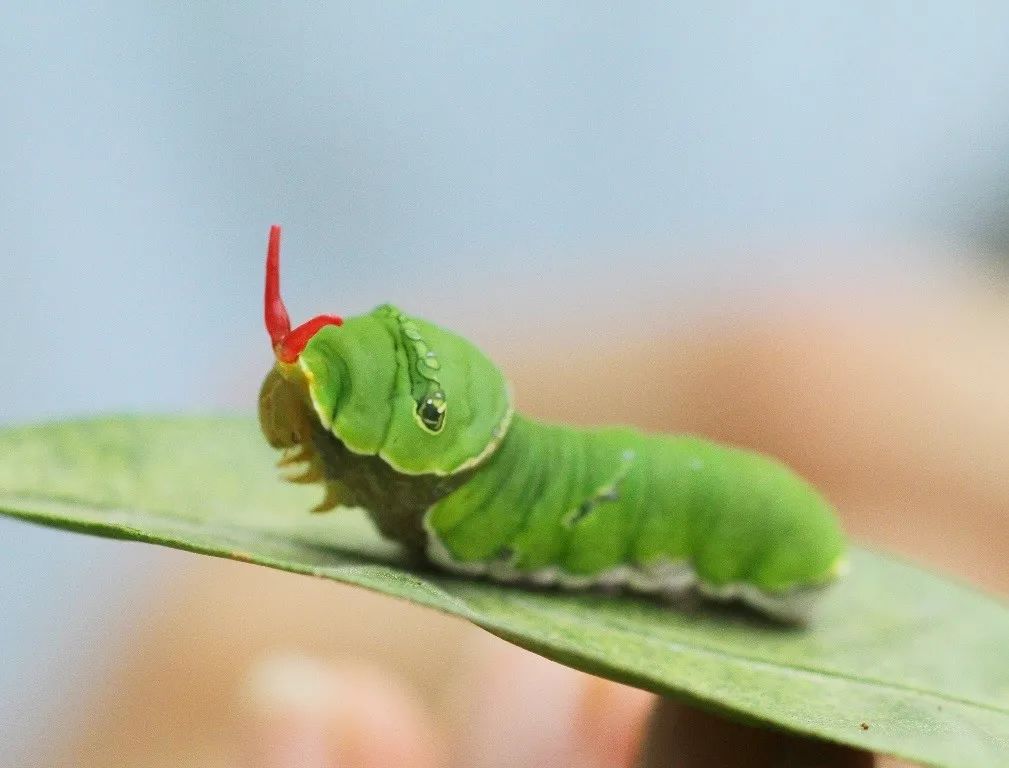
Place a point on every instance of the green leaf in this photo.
(924, 663)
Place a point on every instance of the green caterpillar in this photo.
(415, 425)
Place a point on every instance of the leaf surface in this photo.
(922, 661)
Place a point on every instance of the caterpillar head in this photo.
(422, 399)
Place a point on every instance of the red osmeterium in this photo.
(278, 323)
(296, 340)
(287, 344)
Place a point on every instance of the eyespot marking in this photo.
(432, 411)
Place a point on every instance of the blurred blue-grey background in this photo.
(484, 151)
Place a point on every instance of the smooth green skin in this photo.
(362, 390)
(735, 516)
(921, 660)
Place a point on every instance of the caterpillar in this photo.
(412, 423)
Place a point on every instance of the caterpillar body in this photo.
(415, 425)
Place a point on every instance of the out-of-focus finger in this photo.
(523, 710)
(610, 722)
(515, 709)
(303, 713)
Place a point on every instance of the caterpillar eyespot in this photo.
(415, 425)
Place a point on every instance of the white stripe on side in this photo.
(666, 578)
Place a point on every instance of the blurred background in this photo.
(782, 226)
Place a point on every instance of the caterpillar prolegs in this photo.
(415, 425)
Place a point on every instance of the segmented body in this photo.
(613, 507)
(434, 454)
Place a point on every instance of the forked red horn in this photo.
(287, 344)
